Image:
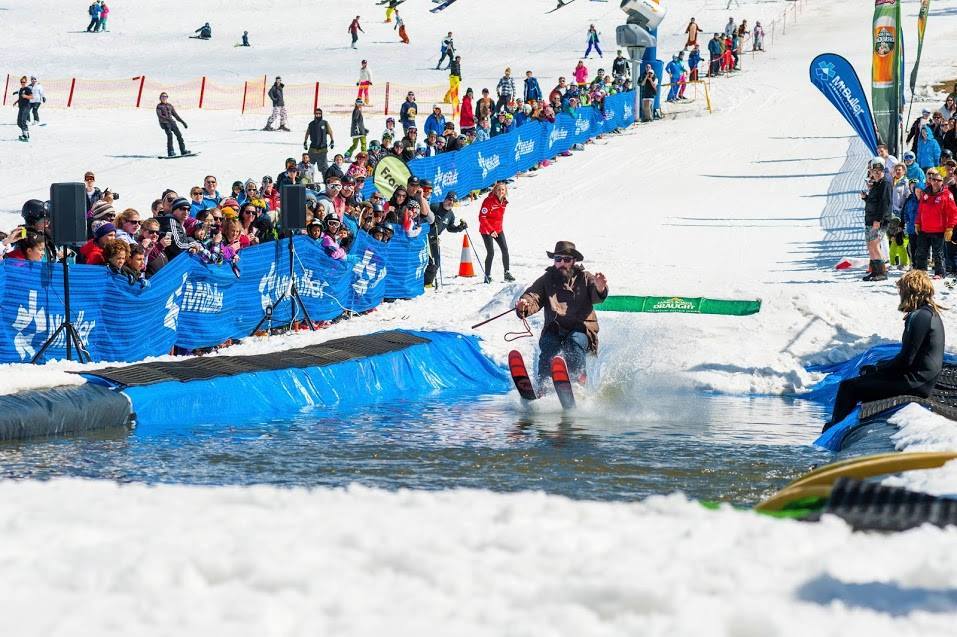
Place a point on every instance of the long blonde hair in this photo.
(916, 289)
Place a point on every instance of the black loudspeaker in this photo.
(293, 201)
(68, 211)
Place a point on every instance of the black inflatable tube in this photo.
(62, 410)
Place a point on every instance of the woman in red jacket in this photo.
(490, 227)
(936, 218)
(467, 113)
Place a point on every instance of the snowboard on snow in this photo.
(177, 156)
(445, 4)
(561, 5)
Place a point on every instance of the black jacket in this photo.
(455, 68)
(358, 127)
(922, 351)
(275, 94)
(877, 204)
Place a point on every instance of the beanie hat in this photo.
(103, 230)
(101, 209)
(229, 202)
(180, 202)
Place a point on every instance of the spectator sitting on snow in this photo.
(915, 369)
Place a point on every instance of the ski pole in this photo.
(497, 316)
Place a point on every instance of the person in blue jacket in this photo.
(674, 72)
(435, 122)
(694, 59)
(532, 90)
(94, 11)
(928, 150)
(408, 112)
(913, 170)
(909, 216)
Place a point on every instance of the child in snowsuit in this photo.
(898, 244)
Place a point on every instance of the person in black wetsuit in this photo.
(915, 369)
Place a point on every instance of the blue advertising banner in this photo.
(480, 165)
(191, 304)
(836, 79)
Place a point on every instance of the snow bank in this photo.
(199, 561)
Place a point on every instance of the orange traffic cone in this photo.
(465, 265)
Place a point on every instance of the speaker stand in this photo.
(66, 327)
(291, 294)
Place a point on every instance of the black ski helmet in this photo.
(34, 210)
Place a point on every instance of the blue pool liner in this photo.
(449, 363)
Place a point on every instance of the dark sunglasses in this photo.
(151, 231)
(561, 259)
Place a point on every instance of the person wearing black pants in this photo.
(444, 220)
(915, 369)
(24, 94)
(168, 117)
(491, 217)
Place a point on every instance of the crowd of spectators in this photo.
(909, 204)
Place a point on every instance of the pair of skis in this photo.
(563, 385)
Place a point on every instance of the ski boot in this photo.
(170, 153)
(284, 128)
(268, 128)
(508, 276)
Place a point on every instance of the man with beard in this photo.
(567, 293)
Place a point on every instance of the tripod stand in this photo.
(291, 293)
(71, 336)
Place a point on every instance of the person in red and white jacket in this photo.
(491, 216)
(936, 218)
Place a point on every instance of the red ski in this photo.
(516, 366)
(563, 386)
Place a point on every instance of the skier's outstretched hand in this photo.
(601, 284)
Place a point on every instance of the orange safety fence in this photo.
(204, 93)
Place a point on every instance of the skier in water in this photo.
(567, 293)
(168, 117)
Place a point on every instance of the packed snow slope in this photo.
(727, 205)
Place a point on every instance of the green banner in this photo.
(885, 71)
(681, 304)
(921, 27)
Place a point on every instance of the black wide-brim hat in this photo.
(565, 248)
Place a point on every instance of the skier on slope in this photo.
(205, 32)
(593, 41)
(692, 30)
(400, 26)
(365, 81)
(167, 116)
(567, 293)
(278, 106)
(448, 51)
(354, 28)
(24, 95)
(37, 99)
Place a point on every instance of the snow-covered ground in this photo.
(732, 204)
